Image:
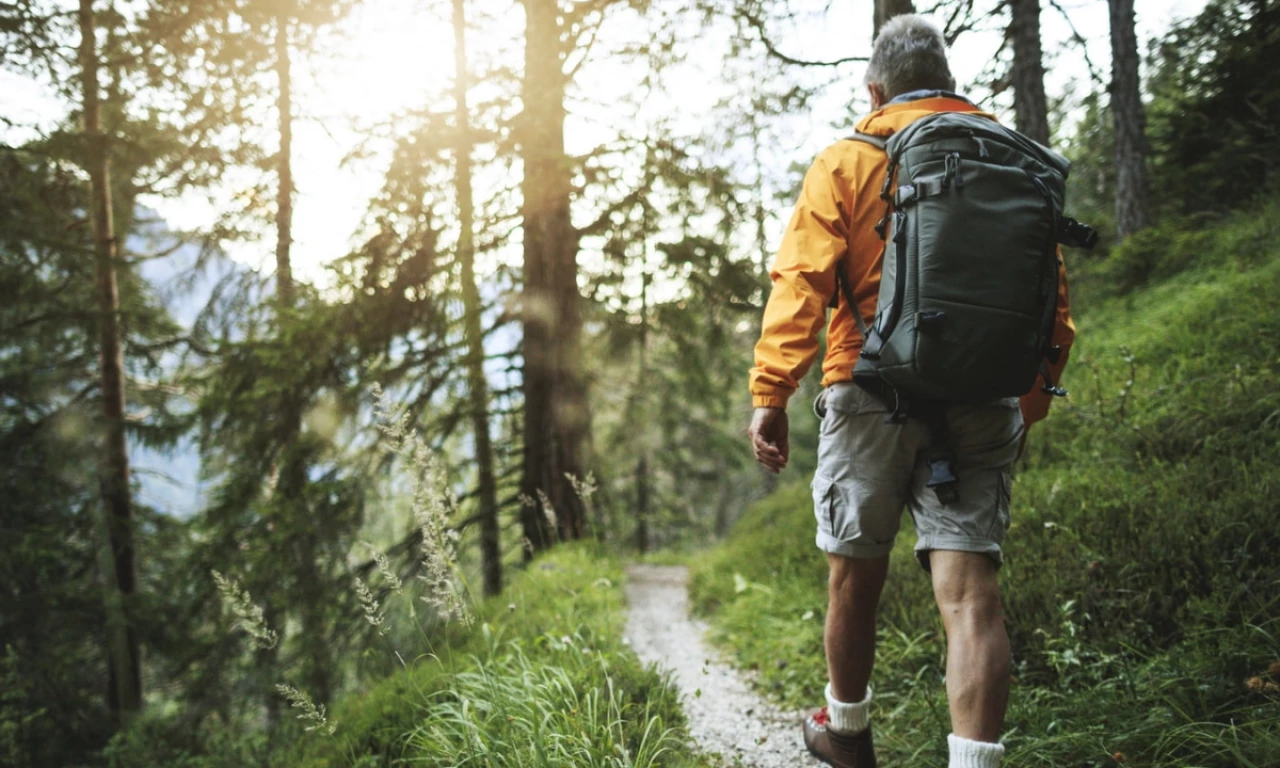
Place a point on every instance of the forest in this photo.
(352, 351)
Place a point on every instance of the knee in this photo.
(855, 577)
(970, 604)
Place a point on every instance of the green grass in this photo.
(1142, 577)
(543, 679)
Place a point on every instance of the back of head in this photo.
(910, 54)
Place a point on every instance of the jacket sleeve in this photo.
(804, 281)
(1035, 404)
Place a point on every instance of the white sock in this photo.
(974, 754)
(848, 718)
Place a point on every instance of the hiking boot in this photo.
(837, 750)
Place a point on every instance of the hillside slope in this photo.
(1142, 577)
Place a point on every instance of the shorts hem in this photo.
(927, 544)
(831, 545)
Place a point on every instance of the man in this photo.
(869, 470)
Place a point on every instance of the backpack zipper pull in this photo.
(951, 171)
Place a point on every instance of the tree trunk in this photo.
(642, 464)
(642, 504)
(284, 166)
(1133, 211)
(722, 500)
(887, 9)
(267, 661)
(758, 210)
(309, 597)
(115, 522)
(1031, 109)
(490, 549)
(556, 417)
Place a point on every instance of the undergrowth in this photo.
(1142, 570)
(542, 679)
(539, 679)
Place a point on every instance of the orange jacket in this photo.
(834, 223)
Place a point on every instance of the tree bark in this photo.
(642, 375)
(556, 417)
(1133, 210)
(309, 597)
(763, 251)
(642, 504)
(490, 549)
(115, 522)
(887, 9)
(284, 165)
(1030, 107)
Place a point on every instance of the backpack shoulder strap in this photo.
(879, 142)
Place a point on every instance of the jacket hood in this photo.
(892, 118)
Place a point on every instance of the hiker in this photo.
(876, 455)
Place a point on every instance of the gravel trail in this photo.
(725, 716)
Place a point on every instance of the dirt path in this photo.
(725, 715)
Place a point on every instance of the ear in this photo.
(877, 96)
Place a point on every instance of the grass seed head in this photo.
(308, 710)
(248, 615)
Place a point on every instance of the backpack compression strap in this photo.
(879, 142)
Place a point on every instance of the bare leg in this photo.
(978, 663)
(853, 593)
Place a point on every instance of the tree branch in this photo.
(756, 23)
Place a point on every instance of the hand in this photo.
(768, 433)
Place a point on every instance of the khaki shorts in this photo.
(869, 471)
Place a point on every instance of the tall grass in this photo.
(542, 678)
(538, 676)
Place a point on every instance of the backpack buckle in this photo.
(943, 480)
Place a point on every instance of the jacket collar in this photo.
(928, 94)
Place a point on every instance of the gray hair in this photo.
(910, 54)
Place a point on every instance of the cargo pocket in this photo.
(825, 499)
(845, 397)
(820, 405)
(1000, 525)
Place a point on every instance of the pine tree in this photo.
(478, 387)
(117, 567)
(1133, 208)
(556, 419)
(1031, 109)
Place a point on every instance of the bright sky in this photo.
(392, 52)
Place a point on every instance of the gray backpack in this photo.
(969, 284)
